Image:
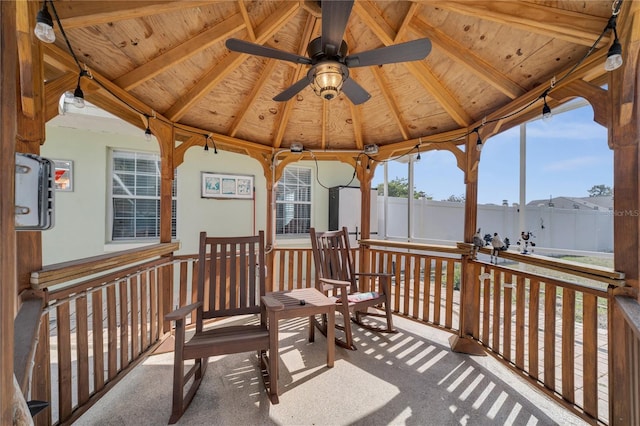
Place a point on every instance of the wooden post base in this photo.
(466, 345)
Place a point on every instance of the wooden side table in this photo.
(304, 302)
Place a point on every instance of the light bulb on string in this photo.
(44, 25)
(478, 141)
(546, 110)
(614, 56)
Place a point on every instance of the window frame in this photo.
(310, 203)
(128, 153)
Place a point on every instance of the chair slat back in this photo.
(332, 256)
(231, 276)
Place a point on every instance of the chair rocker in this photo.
(230, 282)
(336, 278)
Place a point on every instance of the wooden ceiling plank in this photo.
(391, 101)
(78, 14)
(180, 53)
(287, 110)
(248, 101)
(469, 60)
(219, 72)
(431, 83)
(567, 25)
(247, 21)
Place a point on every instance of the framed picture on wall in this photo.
(217, 185)
(63, 177)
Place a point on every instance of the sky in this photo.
(565, 156)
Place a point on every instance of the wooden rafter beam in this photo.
(391, 101)
(420, 71)
(78, 14)
(441, 94)
(566, 25)
(180, 53)
(405, 22)
(247, 21)
(469, 60)
(219, 72)
(265, 75)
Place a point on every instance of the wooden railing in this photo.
(553, 330)
(102, 314)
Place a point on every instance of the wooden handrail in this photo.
(461, 248)
(593, 272)
(67, 271)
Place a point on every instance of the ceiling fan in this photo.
(329, 72)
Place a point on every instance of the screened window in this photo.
(293, 202)
(135, 196)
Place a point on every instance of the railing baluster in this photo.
(405, 284)
(112, 328)
(550, 336)
(486, 306)
(590, 353)
(437, 292)
(417, 283)
(426, 303)
(154, 303)
(508, 305)
(497, 302)
(534, 315)
(520, 307)
(98, 339)
(63, 321)
(82, 351)
(448, 322)
(124, 325)
(135, 313)
(568, 344)
(144, 319)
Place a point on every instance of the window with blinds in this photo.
(135, 196)
(293, 202)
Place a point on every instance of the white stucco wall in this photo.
(81, 217)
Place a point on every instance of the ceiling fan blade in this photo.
(335, 15)
(291, 91)
(403, 52)
(243, 46)
(355, 92)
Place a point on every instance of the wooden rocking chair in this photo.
(336, 277)
(231, 275)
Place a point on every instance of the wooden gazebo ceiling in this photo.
(487, 59)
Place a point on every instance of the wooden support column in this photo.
(469, 289)
(268, 167)
(8, 276)
(164, 133)
(624, 137)
(364, 172)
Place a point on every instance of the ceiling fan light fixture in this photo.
(327, 80)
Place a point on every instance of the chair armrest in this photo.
(336, 283)
(373, 274)
(271, 304)
(182, 312)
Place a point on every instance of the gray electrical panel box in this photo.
(34, 192)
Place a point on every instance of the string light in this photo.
(479, 140)
(147, 132)
(44, 25)
(614, 56)
(546, 110)
(78, 94)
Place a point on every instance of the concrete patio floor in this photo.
(407, 378)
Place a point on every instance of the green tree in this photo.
(456, 198)
(600, 191)
(399, 187)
